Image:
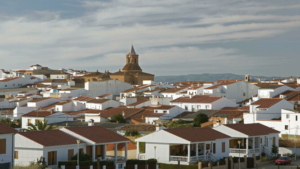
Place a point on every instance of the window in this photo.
(286, 127)
(52, 158)
(13, 84)
(296, 118)
(223, 147)
(2, 146)
(81, 151)
(199, 106)
(16, 154)
(70, 154)
(274, 141)
(36, 121)
(185, 107)
(206, 106)
(207, 146)
(5, 85)
(214, 148)
(244, 94)
(165, 111)
(287, 116)
(28, 121)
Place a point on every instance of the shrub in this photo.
(132, 133)
(263, 154)
(199, 119)
(82, 157)
(264, 159)
(118, 118)
(274, 149)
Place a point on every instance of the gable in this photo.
(162, 136)
(24, 142)
(230, 132)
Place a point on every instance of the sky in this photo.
(172, 37)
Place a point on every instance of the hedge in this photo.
(85, 163)
(175, 166)
(149, 161)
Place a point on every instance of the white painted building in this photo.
(254, 139)
(266, 109)
(98, 88)
(15, 82)
(52, 117)
(7, 146)
(101, 104)
(164, 112)
(184, 144)
(271, 91)
(59, 76)
(96, 139)
(52, 145)
(174, 93)
(234, 90)
(72, 92)
(198, 102)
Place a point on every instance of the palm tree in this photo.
(40, 126)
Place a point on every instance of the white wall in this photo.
(269, 93)
(19, 111)
(98, 88)
(102, 106)
(16, 83)
(8, 157)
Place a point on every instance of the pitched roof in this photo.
(4, 129)
(132, 50)
(97, 134)
(37, 114)
(9, 79)
(138, 127)
(266, 102)
(223, 83)
(98, 101)
(173, 90)
(138, 102)
(197, 99)
(203, 134)
(271, 86)
(34, 100)
(253, 129)
(50, 137)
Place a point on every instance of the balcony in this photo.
(186, 159)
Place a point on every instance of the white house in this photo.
(266, 109)
(36, 67)
(52, 145)
(194, 103)
(15, 82)
(42, 102)
(97, 88)
(254, 139)
(7, 148)
(96, 139)
(61, 75)
(140, 104)
(231, 89)
(271, 91)
(184, 144)
(52, 117)
(163, 112)
(174, 93)
(101, 104)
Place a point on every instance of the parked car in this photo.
(283, 160)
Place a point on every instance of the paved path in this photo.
(273, 166)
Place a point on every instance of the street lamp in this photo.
(239, 153)
(78, 141)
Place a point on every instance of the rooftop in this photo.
(197, 99)
(4, 129)
(254, 129)
(266, 102)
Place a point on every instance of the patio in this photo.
(247, 147)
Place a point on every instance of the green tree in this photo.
(9, 122)
(199, 119)
(179, 124)
(118, 118)
(41, 125)
(82, 157)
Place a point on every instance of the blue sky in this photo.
(172, 37)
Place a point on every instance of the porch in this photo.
(247, 146)
(192, 153)
(107, 152)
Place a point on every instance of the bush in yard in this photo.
(118, 118)
(82, 157)
(199, 119)
(264, 159)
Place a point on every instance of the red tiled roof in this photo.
(266, 102)
(155, 115)
(38, 114)
(50, 137)
(254, 129)
(197, 99)
(121, 147)
(4, 129)
(9, 79)
(203, 134)
(138, 102)
(223, 83)
(183, 114)
(97, 134)
(98, 101)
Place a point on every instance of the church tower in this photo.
(132, 62)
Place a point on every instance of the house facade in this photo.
(7, 148)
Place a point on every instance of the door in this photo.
(274, 141)
(4, 166)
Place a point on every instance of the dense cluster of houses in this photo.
(238, 112)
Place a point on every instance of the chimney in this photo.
(191, 96)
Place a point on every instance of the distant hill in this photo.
(209, 77)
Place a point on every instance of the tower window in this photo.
(134, 60)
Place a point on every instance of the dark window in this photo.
(286, 127)
(296, 118)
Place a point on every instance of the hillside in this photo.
(209, 77)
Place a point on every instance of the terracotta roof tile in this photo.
(203, 134)
(197, 99)
(4, 129)
(266, 102)
(252, 129)
(50, 137)
(97, 134)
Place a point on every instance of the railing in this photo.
(212, 158)
(256, 150)
(112, 158)
(236, 150)
(179, 158)
(142, 156)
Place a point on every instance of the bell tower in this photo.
(132, 62)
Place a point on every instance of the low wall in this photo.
(285, 150)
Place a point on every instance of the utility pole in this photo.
(296, 133)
